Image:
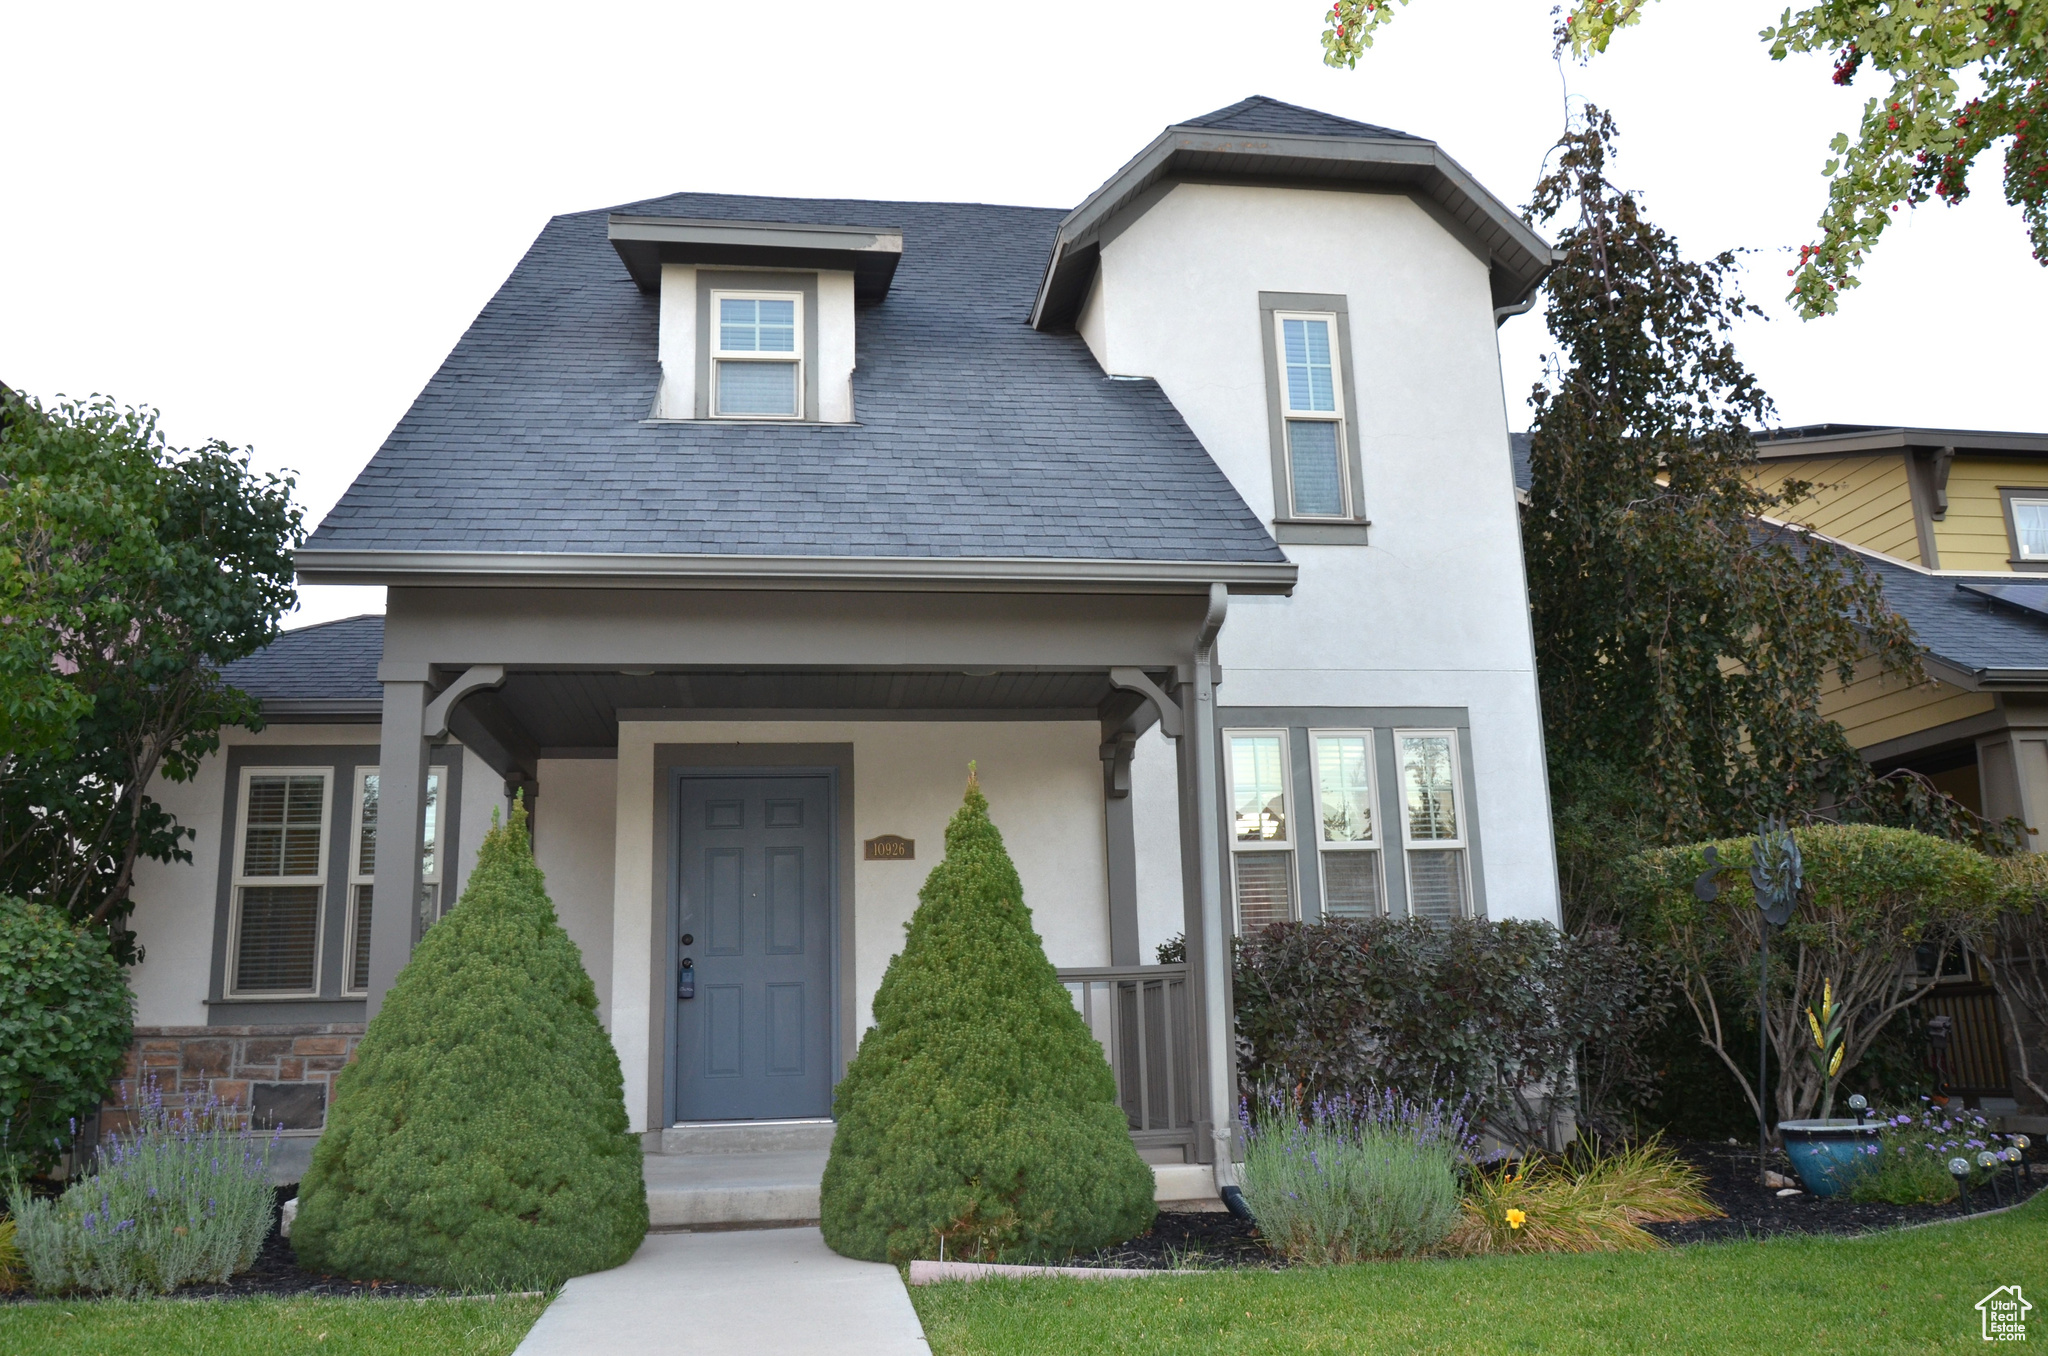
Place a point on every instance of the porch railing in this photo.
(1143, 1017)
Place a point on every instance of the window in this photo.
(362, 871)
(1262, 859)
(279, 882)
(757, 355)
(1432, 825)
(1311, 393)
(2029, 527)
(1347, 837)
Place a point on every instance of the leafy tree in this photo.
(979, 1114)
(1918, 140)
(1682, 645)
(130, 572)
(479, 1137)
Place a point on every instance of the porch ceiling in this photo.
(565, 711)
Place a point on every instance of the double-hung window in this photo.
(1312, 401)
(757, 355)
(1433, 825)
(1261, 829)
(279, 883)
(2029, 527)
(1347, 829)
(362, 871)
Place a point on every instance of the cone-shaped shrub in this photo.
(479, 1137)
(979, 1109)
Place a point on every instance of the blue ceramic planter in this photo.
(1828, 1154)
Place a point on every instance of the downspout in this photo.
(1216, 1033)
(1502, 314)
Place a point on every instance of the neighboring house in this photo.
(734, 529)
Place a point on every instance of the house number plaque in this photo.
(891, 847)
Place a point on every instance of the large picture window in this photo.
(279, 884)
(757, 355)
(1347, 826)
(1432, 825)
(362, 871)
(1261, 829)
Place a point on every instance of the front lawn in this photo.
(1909, 1291)
(268, 1327)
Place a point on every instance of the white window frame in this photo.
(1284, 848)
(1337, 416)
(357, 877)
(719, 354)
(2019, 542)
(1376, 842)
(238, 882)
(1461, 805)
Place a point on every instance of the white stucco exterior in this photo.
(1043, 780)
(574, 842)
(1433, 611)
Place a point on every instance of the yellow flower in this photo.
(1820, 1042)
(1517, 1218)
(1835, 1064)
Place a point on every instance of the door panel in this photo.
(754, 925)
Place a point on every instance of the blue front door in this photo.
(754, 947)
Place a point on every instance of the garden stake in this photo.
(1774, 871)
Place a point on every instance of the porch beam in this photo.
(1120, 841)
(1218, 1045)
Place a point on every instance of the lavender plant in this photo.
(1908, 1165)
(1345, 1177)
(184, 1196)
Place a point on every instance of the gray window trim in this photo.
(1382, 721)
(342, 760)
(1312, 531)
(672, 762)
(2006, 494)
(749, 280)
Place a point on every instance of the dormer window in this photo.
(757, 355)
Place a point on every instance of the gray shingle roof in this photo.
(1519, 445)
(1964, 629)
(331, 661)
(1270, 117)
(977, 435)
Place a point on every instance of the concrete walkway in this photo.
(741, 1290)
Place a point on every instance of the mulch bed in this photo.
(1184, 1239)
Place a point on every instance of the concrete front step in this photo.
(730, 1189)
(748, 1137)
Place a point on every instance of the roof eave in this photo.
(492, 569)
(1979, 441)
(1518, 256)
(645, 243)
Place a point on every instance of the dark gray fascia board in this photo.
(321, 710)
(1519, 256)
(494, 569)
(644, 244)
(1900, 439)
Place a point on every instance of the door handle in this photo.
(686, 979)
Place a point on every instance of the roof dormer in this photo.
(756, 318)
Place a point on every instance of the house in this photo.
(735, 528)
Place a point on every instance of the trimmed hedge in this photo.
(66, 1017)
(479, 1137)
(1871, 896)
(979, 1112)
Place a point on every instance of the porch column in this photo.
(1208, 940)
(1120, 838)
(401, 822)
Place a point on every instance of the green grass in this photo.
(268, 1327)
(1897, 1292)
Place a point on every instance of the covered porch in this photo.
(661, 734)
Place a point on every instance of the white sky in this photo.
(273, 223)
